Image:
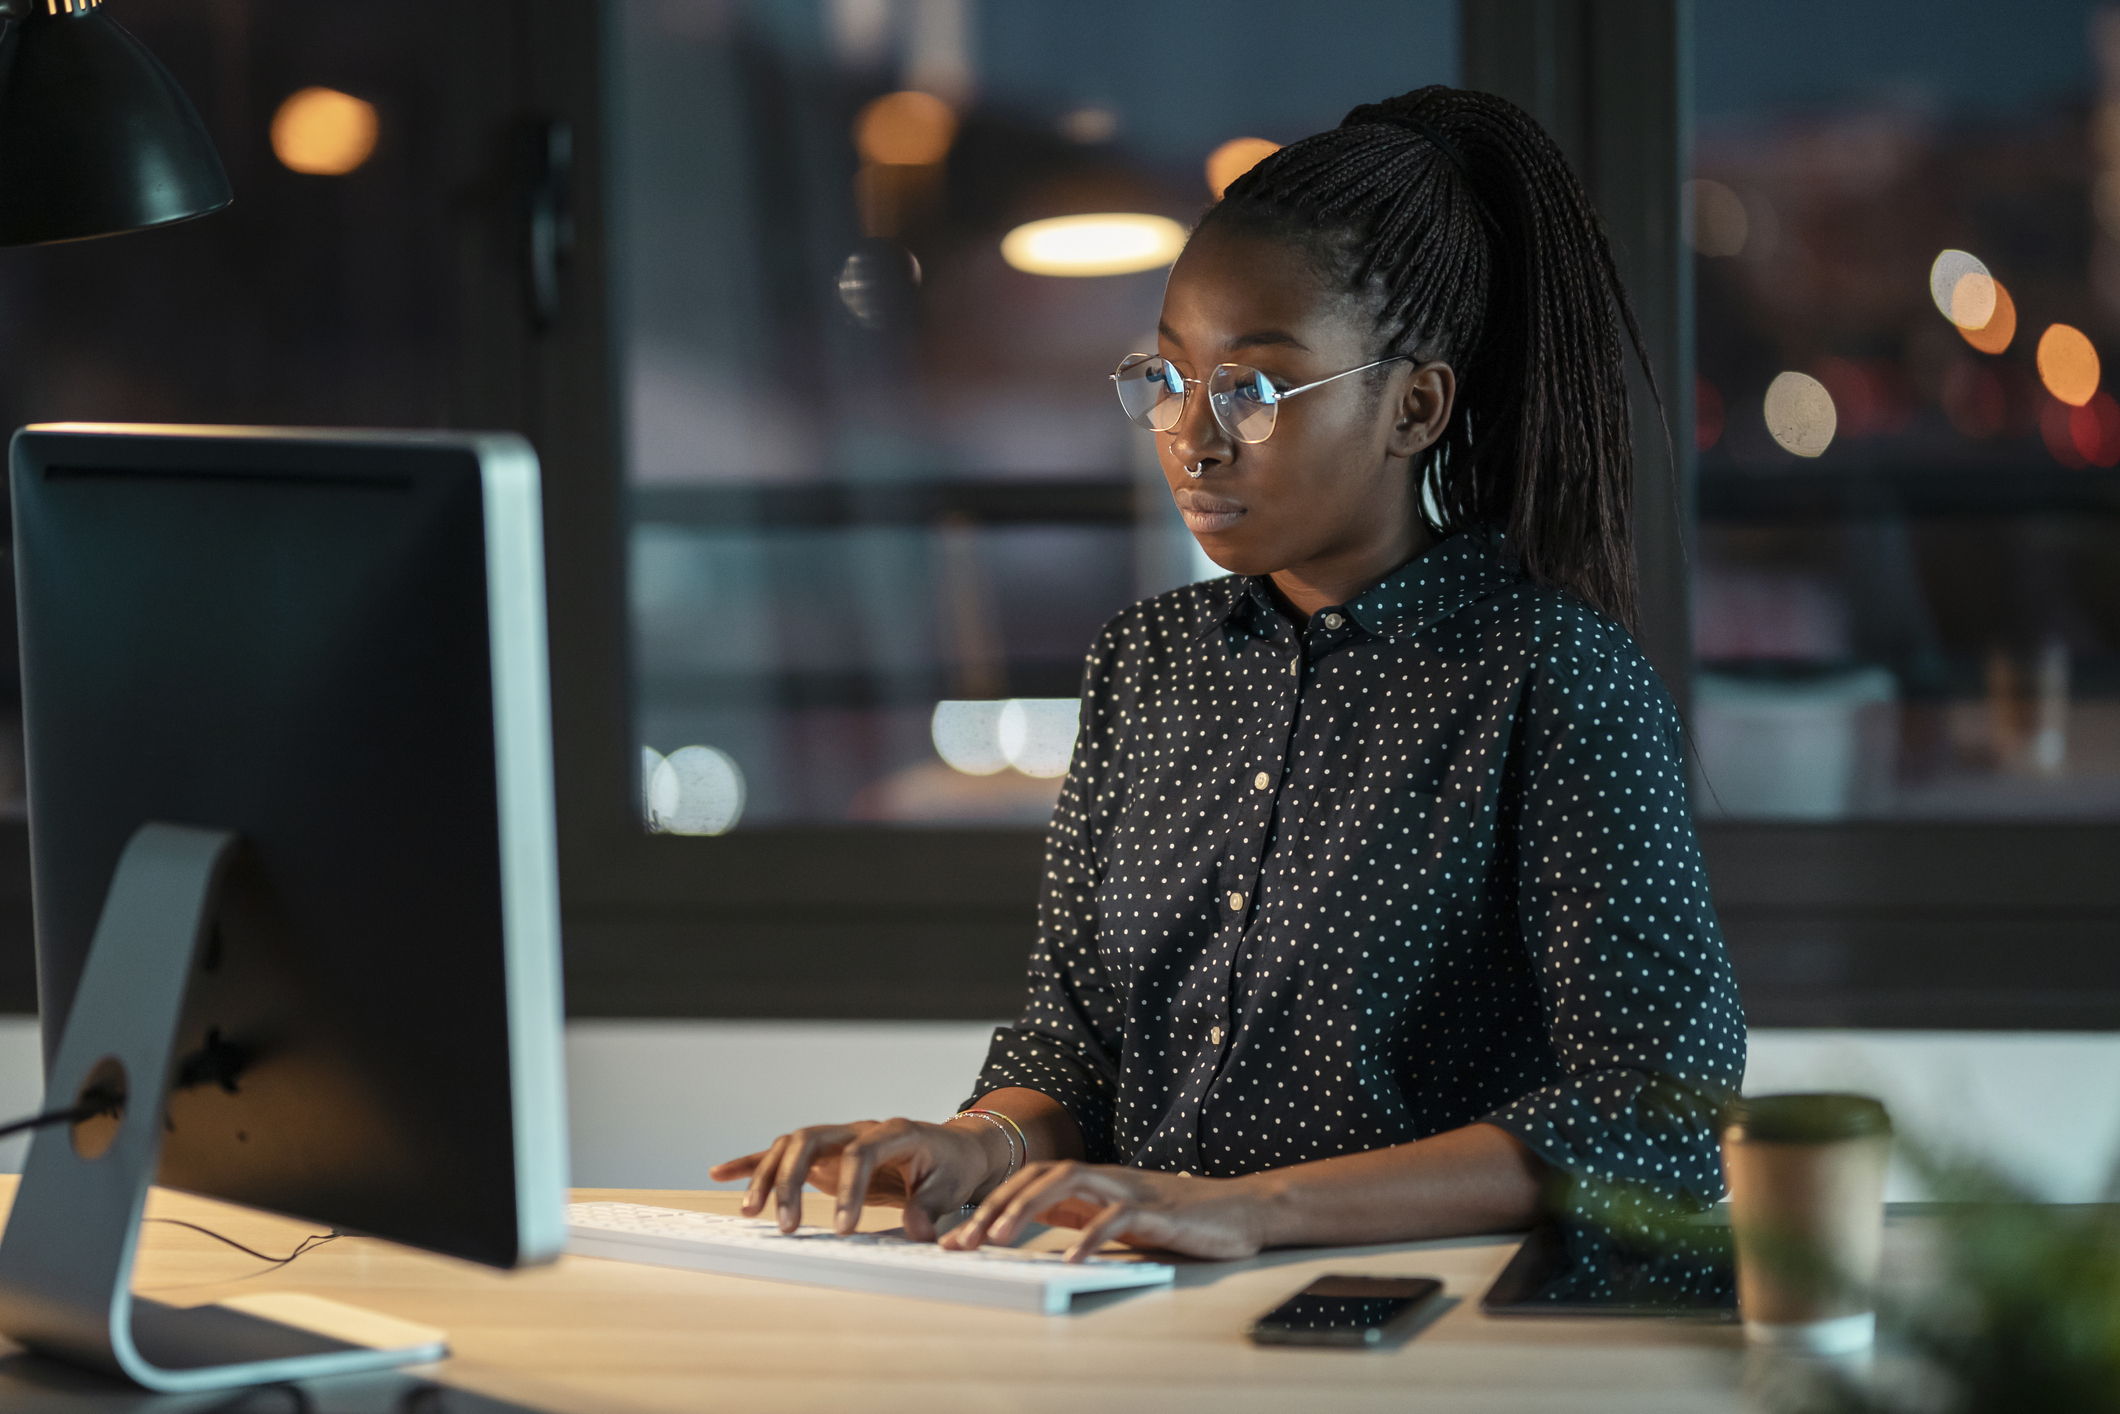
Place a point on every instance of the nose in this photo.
(1198, 441)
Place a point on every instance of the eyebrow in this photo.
(1259, 338)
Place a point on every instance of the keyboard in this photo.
(888, 1263)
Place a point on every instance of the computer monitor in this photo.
(287, 725)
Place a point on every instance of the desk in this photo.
(595, 1337)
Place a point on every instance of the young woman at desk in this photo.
(1372, 900)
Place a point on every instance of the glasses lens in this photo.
(1245, 402)
(1151, 391)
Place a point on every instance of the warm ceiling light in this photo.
(2068, 365)
(323, 132)
(1106, 243)
(1963, 289)
(2001, 327)
(1233, 159)
(908, 129)
(1800, 414)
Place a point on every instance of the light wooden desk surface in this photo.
(593, 1336)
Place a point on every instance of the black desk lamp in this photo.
(95, 136)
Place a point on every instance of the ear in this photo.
(1420, 409)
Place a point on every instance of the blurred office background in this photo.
(838, 492)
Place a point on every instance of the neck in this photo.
(1340, 578)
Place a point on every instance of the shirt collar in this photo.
(1427, 589)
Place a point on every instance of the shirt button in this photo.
(1236, 899)
(1262, 780)
(1333, 621)
(1214, 1036)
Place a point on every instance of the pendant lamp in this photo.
(95, 136)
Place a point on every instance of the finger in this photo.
(729, 1169)
(794, 1171)
(754, 1198)
(1032, 1191)
(857, 1163)
(1099, 1231)
(919, 1226)
(1066, 1181)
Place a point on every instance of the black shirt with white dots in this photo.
(1426, 861)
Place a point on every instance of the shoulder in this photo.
(1576, 658)
(1164, 623)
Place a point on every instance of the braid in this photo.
(1459, 219)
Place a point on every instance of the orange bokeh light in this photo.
(1233, 159)
(2068, 365)
(905, 129)
(323, 132)
(1995, 335)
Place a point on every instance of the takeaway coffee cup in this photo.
(1806, 1176)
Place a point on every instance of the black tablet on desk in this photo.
(1569, 1268)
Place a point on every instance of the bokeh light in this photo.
(1994, 336)
(967, 735)
(2068, 365)
(1963, 289)
(697, 790)
(1707, 413)
(1090, 125)
(1103, 243)
(1037, 734)
(1799, 413)
(2094, 428)
(1858, 401)
(323, 132)
(1233, 159)
(905, 129)
(1720, 225)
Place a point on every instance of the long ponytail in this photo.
(1459, 218)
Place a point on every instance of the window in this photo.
(1906, 220)
(881, 495)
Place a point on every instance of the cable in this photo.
(307, 1244)
(66, 1116)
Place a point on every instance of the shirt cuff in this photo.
(1623, 1129)
(1033, 1061)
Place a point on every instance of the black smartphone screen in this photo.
(1349, 1310)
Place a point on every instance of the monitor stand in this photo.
(67, 1255)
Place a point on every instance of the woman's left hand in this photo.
(1199, 1217)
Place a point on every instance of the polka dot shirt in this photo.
(1424, 861)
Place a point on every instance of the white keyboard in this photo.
(865, 1261)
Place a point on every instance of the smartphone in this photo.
(1357, 1311)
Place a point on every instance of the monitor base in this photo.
(66, 1257)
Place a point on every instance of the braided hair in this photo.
(1459, 220)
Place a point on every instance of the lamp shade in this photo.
(95, 136)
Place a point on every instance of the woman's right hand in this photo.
(926, 1169)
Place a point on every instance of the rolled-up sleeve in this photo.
(1066, 1042)
(1635, 988)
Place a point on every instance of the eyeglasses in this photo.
(1245, 402)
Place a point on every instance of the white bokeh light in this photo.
(968, 736)
(1800, 414)
(1038, 734)
(650, 761)
(696, 790)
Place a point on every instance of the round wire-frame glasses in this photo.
(1245, 402)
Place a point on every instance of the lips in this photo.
(1205, 514)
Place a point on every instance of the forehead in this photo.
(1229, 286)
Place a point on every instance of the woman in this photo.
(1372, 904)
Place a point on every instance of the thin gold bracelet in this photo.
(995, 1118)
(1021, 1137)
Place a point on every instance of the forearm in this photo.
(1475, 1179)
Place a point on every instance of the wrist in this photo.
(997, 1150)
(1272, 1208)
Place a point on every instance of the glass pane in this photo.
(1907, 234)
(883, 494)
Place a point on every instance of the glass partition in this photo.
(1906, 219)
(882, 496)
